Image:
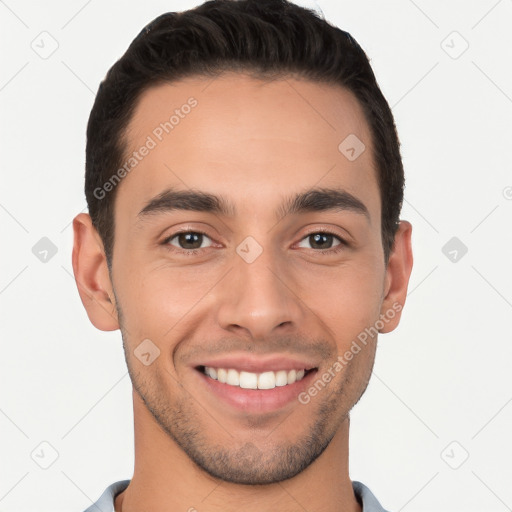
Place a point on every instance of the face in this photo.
(247, 261)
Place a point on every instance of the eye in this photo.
(187, 240)
(323, 240)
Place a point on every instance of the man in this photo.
(244, 184)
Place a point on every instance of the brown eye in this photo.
(321, 240)
(188, 240)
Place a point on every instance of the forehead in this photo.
(250, 139)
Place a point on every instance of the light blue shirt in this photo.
(105, 503)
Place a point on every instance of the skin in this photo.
(255, 143)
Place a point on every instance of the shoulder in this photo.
(105, 502)
(366, 498)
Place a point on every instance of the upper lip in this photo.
(253, 364)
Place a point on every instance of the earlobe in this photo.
(397, 277)
(92, 276)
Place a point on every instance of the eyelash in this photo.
(194, 252)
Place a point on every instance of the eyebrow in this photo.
(314, 200)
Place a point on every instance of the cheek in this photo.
(159, 300)
(346, 299)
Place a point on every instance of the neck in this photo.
(166, 479)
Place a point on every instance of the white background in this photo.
(442, 377)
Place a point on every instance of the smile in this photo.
(250, 380)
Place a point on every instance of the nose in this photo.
(259, 298)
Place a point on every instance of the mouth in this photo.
(255, 387)
(252, 380)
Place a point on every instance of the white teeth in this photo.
(211, 372)
(233, 378)
(281, 378)
(267, 380)
(222, 375)
(249, 380)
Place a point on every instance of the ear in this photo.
(397, 276)
(92, 276)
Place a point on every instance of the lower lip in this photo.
(257, 400)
